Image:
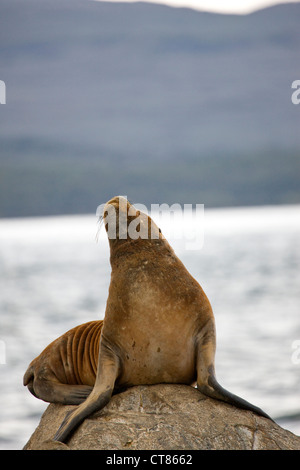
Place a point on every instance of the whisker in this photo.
(100, 218)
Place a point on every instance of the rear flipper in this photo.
(56, 392)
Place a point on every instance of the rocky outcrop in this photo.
(165, 417)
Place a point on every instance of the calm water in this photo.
(55, 276)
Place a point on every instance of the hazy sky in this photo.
(222, 6)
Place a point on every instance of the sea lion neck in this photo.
(138, 249)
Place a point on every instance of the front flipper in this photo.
(206, 379)
(107, 373)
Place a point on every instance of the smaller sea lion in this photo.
(65, 371)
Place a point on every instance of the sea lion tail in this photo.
(215, 390)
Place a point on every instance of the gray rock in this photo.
(164, 417)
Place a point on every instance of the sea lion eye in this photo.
(159, 230)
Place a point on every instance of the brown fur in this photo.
(159, 325)
(65, 371)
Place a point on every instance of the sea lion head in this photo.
(125, 223)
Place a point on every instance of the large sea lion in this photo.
(159, 325)
(65, 371)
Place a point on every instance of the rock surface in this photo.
(164, 417)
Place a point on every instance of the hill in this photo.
(161, 104)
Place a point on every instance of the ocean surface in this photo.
(55, 272)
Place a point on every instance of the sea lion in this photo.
(65, 371)
(159, 325)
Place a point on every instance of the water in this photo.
(54, 276)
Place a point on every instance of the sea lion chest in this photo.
(151, 319)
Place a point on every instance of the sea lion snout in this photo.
(124, 221)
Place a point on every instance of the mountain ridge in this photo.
(146, 99)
